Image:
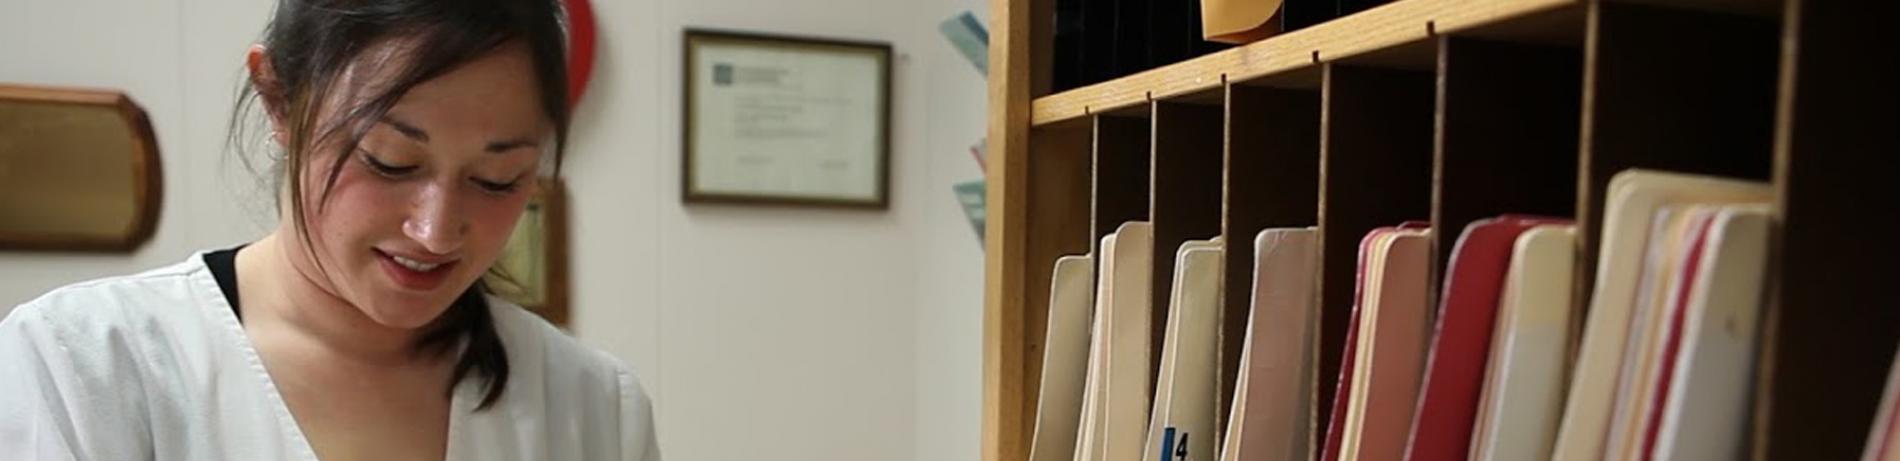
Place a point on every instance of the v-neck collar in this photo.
(220, 311)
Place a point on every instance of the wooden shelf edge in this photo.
(1372, 30)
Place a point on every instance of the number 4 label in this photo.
(1172, 448)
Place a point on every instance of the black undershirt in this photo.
(223, 264)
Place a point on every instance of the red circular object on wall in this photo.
(580, 49)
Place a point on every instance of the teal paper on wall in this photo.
(970, 38)
(970, 194)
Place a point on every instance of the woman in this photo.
(411, 133)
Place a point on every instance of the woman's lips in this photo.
(413, 279)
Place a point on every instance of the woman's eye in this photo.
(385, 169)
(497, 187)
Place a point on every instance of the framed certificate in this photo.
(784, 120)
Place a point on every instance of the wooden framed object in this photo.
(785, 120)
(79, 170)
(532, 270)
(1455, 110)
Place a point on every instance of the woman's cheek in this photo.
(357, 188)
(493, 220)
(363, 206)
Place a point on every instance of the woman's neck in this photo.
(293, 307)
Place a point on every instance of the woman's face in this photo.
(423, 208)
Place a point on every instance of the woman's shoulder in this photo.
(114, 305)
(536, 346)
(557, 378)
(105, 342)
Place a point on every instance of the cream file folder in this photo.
(1186, 389)
(1523, 393)
(1127, 324)
(1633, 199)
(1065, 359)
(1274, 395)
(1707, 407)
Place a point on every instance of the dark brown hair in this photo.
(309, 45)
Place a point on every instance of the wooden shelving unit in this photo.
(1450, 111)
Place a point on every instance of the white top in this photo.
(155, 366)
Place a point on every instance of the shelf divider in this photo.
(1507, 134)
(1375, 171)
(1832, 325)
(1186, 187)
(1272, 180)
(1657, 96)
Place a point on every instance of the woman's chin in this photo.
(407, 312)
(400, 303)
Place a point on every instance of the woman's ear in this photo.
(270, 90)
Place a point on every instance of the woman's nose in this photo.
(435, 219)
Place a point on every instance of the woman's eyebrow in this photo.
(496, 147)
(411, 132)
(406, 129)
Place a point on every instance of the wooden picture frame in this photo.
(50, 176)
(535, 260)
(792, 87)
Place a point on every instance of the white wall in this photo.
(785, 334)
(138, 47)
